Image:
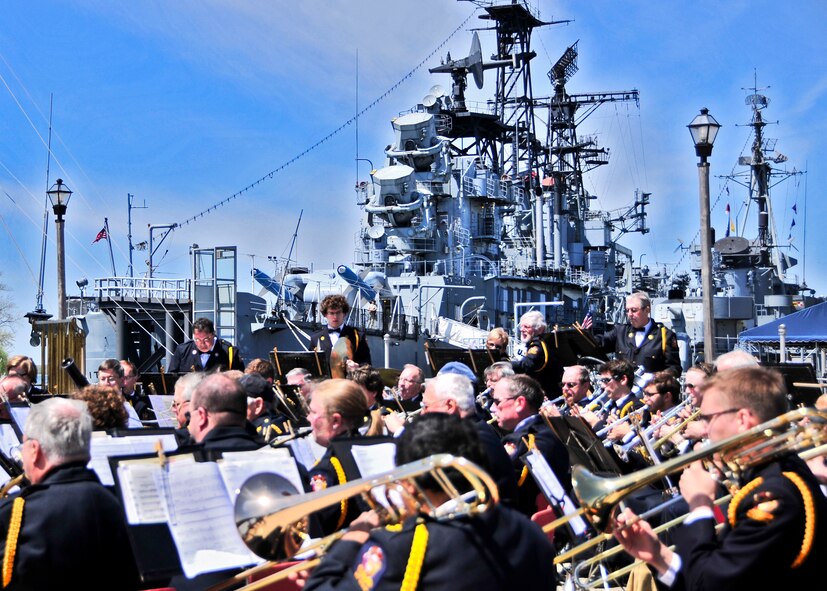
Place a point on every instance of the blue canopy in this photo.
(805, 326)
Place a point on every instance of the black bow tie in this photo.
(336, 330)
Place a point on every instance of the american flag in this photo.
(101, 235)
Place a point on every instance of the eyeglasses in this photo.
(499, 402)
(424, 406)
(708, 418)
(606, 380)
(690, 386)
(175, 404)
(569, 384)
(204, 341)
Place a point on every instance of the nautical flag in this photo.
(101, 235)
(730, 227)
(795, 207)
(727, 192)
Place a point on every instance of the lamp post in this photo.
(59, 196)
(704, 128)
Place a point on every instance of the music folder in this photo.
(315, 362)
(476, 359)
(584, 447)
(180, 508)
(552, 489)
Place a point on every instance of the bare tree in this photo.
(7, 317)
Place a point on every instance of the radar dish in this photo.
(429, 100)
(376, 232)
(437, 90)
(759, 101)
(732, 245)
(475, 60)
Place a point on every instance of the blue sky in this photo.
(184, 103)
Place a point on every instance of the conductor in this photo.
(205, 351)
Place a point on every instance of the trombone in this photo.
(795, 431)
(272, 518)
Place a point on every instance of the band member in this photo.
(218, 415)
(497, 549)
(774, 536)
(337, 409)
(65, 529)
(539, 361)
(516, 406)
(24, 367)
(642, 341)
(205, 351)
(110, 374)
(498, 341)
(335, 308)
(617, 378)
(261, 410)
(576, 386)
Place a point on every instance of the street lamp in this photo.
(704, 128)
(59, 195)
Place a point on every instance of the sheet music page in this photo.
(8, 439)
(236, 467)
(201, 520)
(103, 447)
(553, 490)
(141, 491)
(162, 406)
(303, 450)
(374, 459)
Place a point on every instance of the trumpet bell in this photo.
(259, 499)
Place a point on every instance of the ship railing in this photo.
(145, 288)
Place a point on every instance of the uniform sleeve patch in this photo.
(318, 482)
(765, 509)
(510, 447)
(370, 568)
(533, 350)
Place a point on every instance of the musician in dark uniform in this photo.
(774, 537)
(454, 394)
(496, 550)
(539, 361)
(205, 352)
(64, 529)
(335, 308)
(261, 411)
(516, 404)
(337, 409)
(218, 416)
(642, 341)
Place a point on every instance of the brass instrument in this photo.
(677, 429)
(797, 430)
(271, 517)
(19, 480)
(631, 415)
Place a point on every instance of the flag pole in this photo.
(109, 240)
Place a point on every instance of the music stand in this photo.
(477, 359)
(313, 361)
(801, 382)
(570, 344)
(583, 445)
(155, 382)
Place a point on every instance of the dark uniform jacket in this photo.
(187, 358)
(271, 424)
(231, 438)
(537, 431)
(326, 473)
(320, 341)
(542, 364)
(496, 550)
(768, 536)
(657, 352)
(73, 535)
(498, 463)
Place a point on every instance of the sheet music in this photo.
(103, 447)
(303, 450)
(552, 489)
(374, 459)
(201, 520)
(236, 467)
(8, 439)
(162, 406)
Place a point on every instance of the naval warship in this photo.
(479, 213)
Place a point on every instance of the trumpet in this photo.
(635, 414)
(678, 428)
(667, 416)
(787, 433)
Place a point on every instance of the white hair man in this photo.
(538, 362)
(453, 394)
(66, 525)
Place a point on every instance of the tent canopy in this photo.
(805, 326)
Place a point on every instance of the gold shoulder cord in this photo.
(11, 539)
(545, 356)
(809, 512)
(340, 475)
(524, 473)
(231, 358)
(414, 567)
(663, 339)
(809, 518)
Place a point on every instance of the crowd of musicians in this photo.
(637, 405)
